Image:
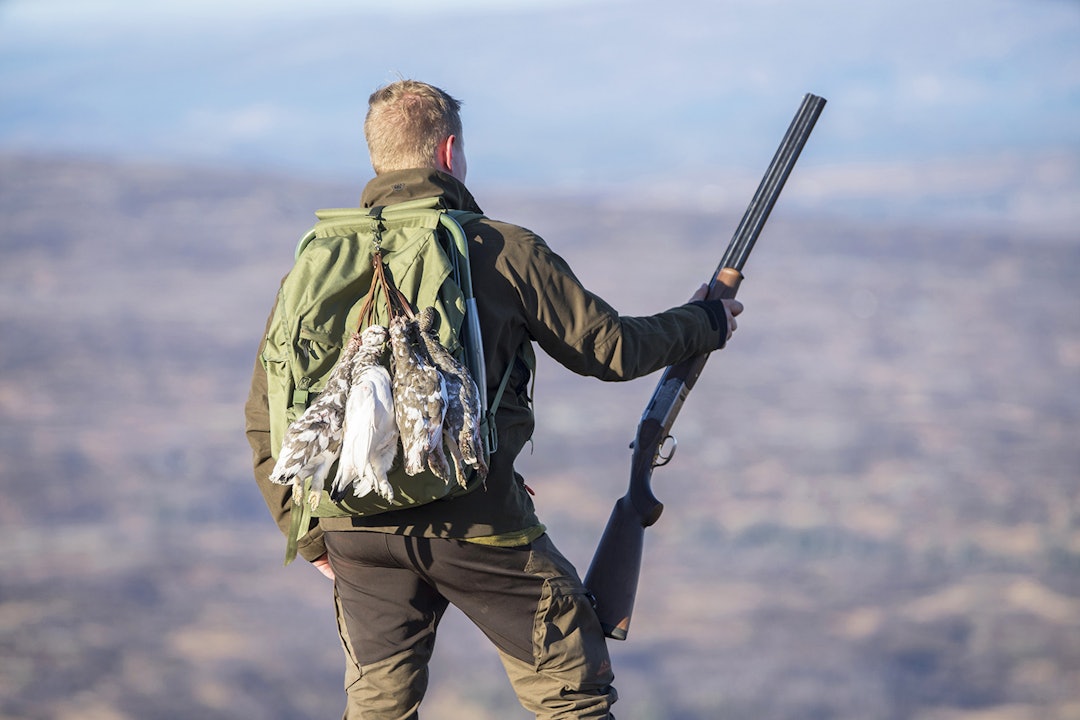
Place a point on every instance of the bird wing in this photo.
(385, 440)
(359, 432)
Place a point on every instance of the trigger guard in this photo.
(662, 458)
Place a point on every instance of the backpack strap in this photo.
(473, 342)
(464, 217)
(299, 520)
(529, 361)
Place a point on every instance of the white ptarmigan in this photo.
(461, 425)
(370, 441)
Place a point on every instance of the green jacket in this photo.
(526, 295)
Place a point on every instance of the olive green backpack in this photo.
(425, 250)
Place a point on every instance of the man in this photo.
(485, 552)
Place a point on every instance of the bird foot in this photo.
(384, 489)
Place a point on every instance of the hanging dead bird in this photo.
(461, 426)
(419, 400)
(370, 437)
(312, 442)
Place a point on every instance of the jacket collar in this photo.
(401, 185)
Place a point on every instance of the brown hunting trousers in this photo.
(392, 591)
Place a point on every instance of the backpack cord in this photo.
(396, 302)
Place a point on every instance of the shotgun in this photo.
(612, 578)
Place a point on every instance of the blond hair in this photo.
(406, 121)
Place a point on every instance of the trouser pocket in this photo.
(568, 642)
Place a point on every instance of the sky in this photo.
(949, 106)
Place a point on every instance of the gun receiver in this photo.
(613, 574)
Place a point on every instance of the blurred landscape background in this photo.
(873, 513)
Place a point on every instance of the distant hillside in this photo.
(873, 512)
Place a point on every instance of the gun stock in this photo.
(613, 575)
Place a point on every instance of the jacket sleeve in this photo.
(278, 497)
(585, 334)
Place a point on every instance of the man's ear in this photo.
(444, 155)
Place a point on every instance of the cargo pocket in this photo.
(317, 351)
(568, 643)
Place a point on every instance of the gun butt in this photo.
(613, 574)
